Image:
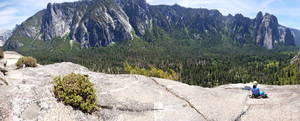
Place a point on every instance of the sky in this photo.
(14, 12)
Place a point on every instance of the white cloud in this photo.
(14, 12)
(42, 3)
(267, 3)
(3, 4)
(225, 6)
(198, 2)
(6, 15)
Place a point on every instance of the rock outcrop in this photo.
(29, 96)
(296, 34)
(97, 23)
(269, 32)
(296, 59)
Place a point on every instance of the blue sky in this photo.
(14, 12)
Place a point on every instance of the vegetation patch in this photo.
(152, 72)
(77, 91)
(27, 62)
(290, 75)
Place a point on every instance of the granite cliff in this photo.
(97, 23)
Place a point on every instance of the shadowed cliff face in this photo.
(29, 96)
(296, 34)
(93, 24)
(97, 23)
(267, 31)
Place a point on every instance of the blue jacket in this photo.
(255, 91)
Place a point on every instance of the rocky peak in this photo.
(289, 38)
(139, 13)
(259, 15)
(56, 21)
(239, 28)
(258, 19)
(269, 33)
(270, 19)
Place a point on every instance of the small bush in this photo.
(1, 54)
(77, 91)
(27, 61)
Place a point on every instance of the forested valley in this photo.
(190, 61)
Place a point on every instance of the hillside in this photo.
(29, 96)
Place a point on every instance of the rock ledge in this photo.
(29, 97)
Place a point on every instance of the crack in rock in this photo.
(238, 118)
(181, 98)
(127, 109)
(3, 80)
(246, 109)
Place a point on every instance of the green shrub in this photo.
(1, 53)
(27, 61)
(77, 91)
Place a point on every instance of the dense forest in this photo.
(205, 63)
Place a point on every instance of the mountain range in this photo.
(4, 35)
(98, 23)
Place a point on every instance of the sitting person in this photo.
(256, 93)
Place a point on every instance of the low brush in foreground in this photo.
(27, 61)
(77, 91)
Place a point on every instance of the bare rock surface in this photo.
(28, 96)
